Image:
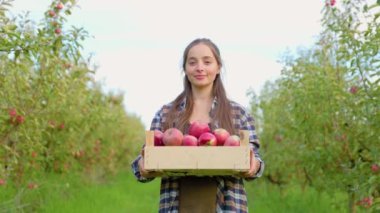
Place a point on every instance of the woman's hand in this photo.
(145, 173)
(255, 165)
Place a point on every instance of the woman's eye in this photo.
(192, 63)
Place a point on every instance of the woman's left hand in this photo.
(255, 165)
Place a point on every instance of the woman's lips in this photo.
(200, 77)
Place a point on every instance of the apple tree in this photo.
(54, 116)
(320, 119)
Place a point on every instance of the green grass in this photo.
(122, 193)
(267, 198)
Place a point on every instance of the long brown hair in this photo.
(223, 111)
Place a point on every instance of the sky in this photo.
(137, 45)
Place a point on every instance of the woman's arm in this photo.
(137, 165)
(138, 169)
(257, 164)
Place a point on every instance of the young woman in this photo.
(203, 99)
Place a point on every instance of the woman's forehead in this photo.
(200, 51)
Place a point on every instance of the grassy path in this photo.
(124, 194)
(121, 194)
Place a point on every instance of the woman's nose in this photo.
(200, 67)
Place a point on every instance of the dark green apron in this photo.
(197, 194)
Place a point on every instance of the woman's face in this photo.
(201, 66)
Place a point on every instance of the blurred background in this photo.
(80, 82)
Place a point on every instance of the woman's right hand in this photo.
(145, 173)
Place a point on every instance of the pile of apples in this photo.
(199, 134)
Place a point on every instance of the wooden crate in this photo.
(197, 160)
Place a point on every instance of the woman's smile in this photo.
(200, 77)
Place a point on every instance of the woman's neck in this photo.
(202, 94)
(202, 105)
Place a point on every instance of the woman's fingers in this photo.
(252, 168)
(253, 165)
(145, 173)
(142, 152)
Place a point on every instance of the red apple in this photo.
(34, 154)
(172, 137)
(354, 89)
(59, 6)
(233, 140)
(207, 139)
(12, 112)
(158, 138)
(32, 185)
(189, 140)
(2, 182)
(58, 31)
(375, 168)
(197, 128)
(61, 126)
(221, 136)
(51, 13)
(369, 201)
(20, 119)
(365, 202)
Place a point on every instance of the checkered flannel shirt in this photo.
(231, 194)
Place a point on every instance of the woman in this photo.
(204, 99)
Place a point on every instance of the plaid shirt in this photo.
(231, 195)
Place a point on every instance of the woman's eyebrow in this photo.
(204, 57)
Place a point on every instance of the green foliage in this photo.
(320, 120)
(54, 117)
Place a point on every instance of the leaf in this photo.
(378, 2)
(365, 8)
(372, 180)
(376, 16)
(17, 53)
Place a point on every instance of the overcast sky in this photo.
(138, 44)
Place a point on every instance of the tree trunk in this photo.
(351, 201)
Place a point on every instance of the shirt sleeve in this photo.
(155, 125)
(136, 171)
(247, 123)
